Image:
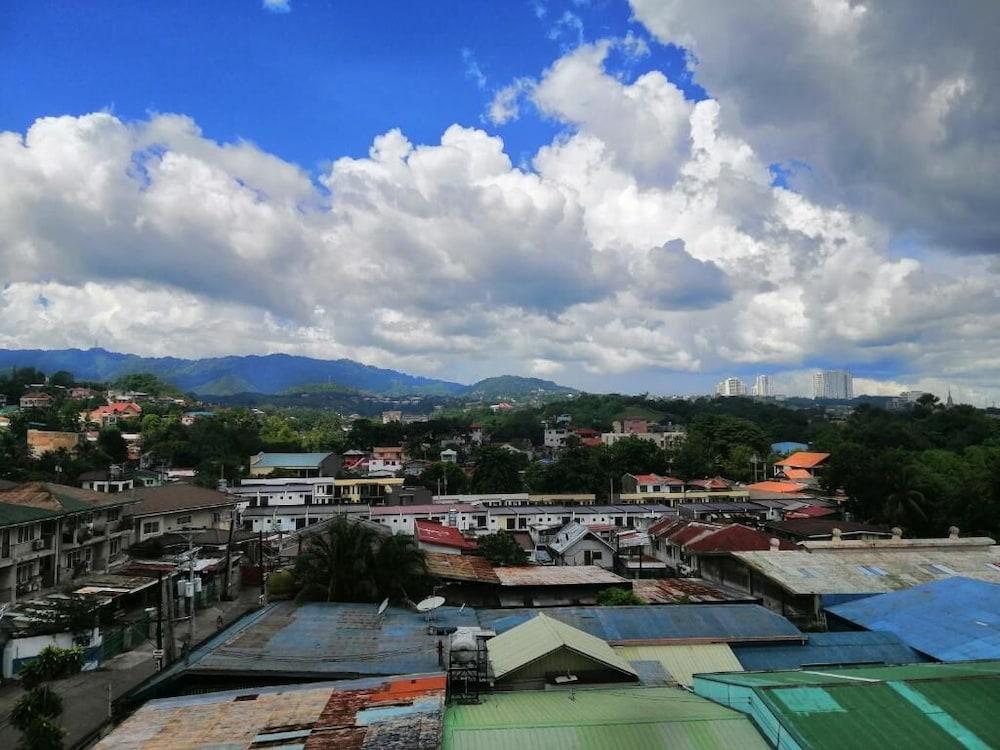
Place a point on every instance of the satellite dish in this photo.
(430, 603)
(462, 608)
(383, 606)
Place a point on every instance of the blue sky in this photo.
(317, 82)
(812, 186)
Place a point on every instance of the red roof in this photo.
(811, 511)
(803, 460)
(715, 483)
(430, 532)
(586, 432)
(699, 536)
(591, 442)
(656, 528)
(797, 473)
(117, 409)
(656, 479)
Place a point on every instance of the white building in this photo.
(837, 384)
(762, 386)
(449, 456)
(731, 387)
(555, 437)
(663, 440)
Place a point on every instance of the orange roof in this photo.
(797, 474)
(776, 487)
(803, 460)
(431, 532)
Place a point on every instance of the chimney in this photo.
(775, 544)
(897, 533)
(836, 536)
(953, 532)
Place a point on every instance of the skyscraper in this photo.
(761, 386)
(731, 387)
(837, 384)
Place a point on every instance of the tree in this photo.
(500, 548)
(448, 474)
(350, 561)
(617, 598)
(498, 470)
(61, 378)
(113, 444)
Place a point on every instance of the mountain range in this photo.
(269, 374)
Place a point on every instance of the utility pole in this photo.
(229, 547)
(191, 589)
(159, 622)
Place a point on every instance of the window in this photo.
(151, 527)
(510, 523)
(24, 534)
(113, 514)
(480, 522)
(74, 558)
(871, 570)
(522, 523)
(939, 569)
(183, 520)
(115, 546)
(618, 520)
(24, 573)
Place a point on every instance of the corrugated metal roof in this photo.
(634, 718)
(337, 640)
(951, 620)
(924, 707)
(682, 662)
(460, 567)
(829, 648)
(290, 460)
(557, 575)
(542, 635)
(721, 623)
(683, 591)
(403, 712)
(871, 571)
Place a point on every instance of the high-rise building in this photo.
(731, 387)
(761, 386)
(837, 384)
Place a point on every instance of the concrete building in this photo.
(449, 456)
(731, 387)
(110, 480)
(295, 464)
(576, 544)
(41, 442)
(51, 533)
(174, 507)
(834, 384)
(663, 440)
(762, 386)
(35, 400)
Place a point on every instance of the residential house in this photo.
(686, 545)
(802, 465)
(663, 440)
(80, 393)
(35, 400)
(111, 480)
(433, 537)
(651, 484)
(387, 458)
(51, 533)
(576, 544)
(449, 456)
(392, 415)
(111, 414)
(554, 437)
(41, 442)
(631, 426)
(325, 490)
(174, 507)
(820, 529)
(190, 417)
(476, 435)
(295, 464)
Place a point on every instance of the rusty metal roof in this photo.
(460, 567)
(557, 575)
(683, 591)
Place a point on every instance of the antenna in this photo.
(383, 606)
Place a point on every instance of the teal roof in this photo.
(542, 635)
(626, 718)
(918, 707)
(291, 460)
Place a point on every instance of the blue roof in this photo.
(723, 622)
(788, 446)
(292, 460)
(333, 640)
(828, 649)
(950, 620)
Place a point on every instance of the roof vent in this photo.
(775, 544)
(836, 535)
(953, 532)
(251, 697)
(897, 533)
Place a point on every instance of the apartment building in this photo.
(51, 533)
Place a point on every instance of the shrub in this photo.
(51, 663)
(617, 598)
(281, 584)
(42, 734)
(39, 703)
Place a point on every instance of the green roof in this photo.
(626, 718)
(919, 707)
(38, 501)
(542, 635)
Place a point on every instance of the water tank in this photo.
(463, 645)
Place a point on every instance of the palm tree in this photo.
(904, 502)
(399, 566)
(338, 564)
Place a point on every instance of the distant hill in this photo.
(513, 386)
(268, 374)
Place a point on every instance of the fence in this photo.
(121, 638)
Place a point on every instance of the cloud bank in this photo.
(647, 234)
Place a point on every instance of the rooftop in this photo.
(334, 640)
(804, 528)
(288, 460)
(37, 501)
(637, 718)
(430, 532)
(174, 497)
(460, 567)
(571, 534)
(679, 623)
(871, 571)
(828, 649)
(679, 663)
(803, 460)
(398, 713)
(542, 635)
(774, 486)
(950, 620)
(919, 707)
(682, 591)
(557, 575)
